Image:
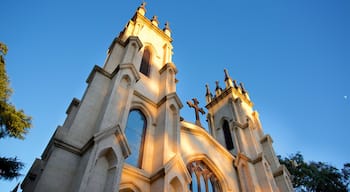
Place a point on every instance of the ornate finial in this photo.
(208, 94)
(228, 80)
(235, 84)
(155, 21)
(197, 110)
(217, 86)
(227, 76)
(166, 29)
(143, 4)
(217, 89)
(142, 8)
(207, 90)
(242, 87)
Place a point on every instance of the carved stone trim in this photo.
(67, 147)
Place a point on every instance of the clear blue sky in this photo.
(293, 56)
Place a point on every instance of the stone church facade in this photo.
(126, 134)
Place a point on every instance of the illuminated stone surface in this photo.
(88, 152)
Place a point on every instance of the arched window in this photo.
(203, 179)
(227, 135)
(135, 134)
(146, 62)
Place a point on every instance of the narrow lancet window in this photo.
(227, 134)
(146, 63)
(135, 134)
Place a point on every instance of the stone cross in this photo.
(197, 109)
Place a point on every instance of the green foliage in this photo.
(13, 123)
(316, 176)
(9, 168)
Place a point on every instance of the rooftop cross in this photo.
(197, 109)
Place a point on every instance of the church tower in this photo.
(125, 134)
(236, 126)
(137, 82)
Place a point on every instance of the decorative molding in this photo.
(67, 147)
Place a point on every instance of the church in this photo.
(126, 133)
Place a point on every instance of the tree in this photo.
(13, 123)
(316, 176)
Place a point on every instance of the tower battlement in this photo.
(237, 91)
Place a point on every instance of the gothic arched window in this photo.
(146, 62)
(227, 135)
(203, 179)
(135, 134)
